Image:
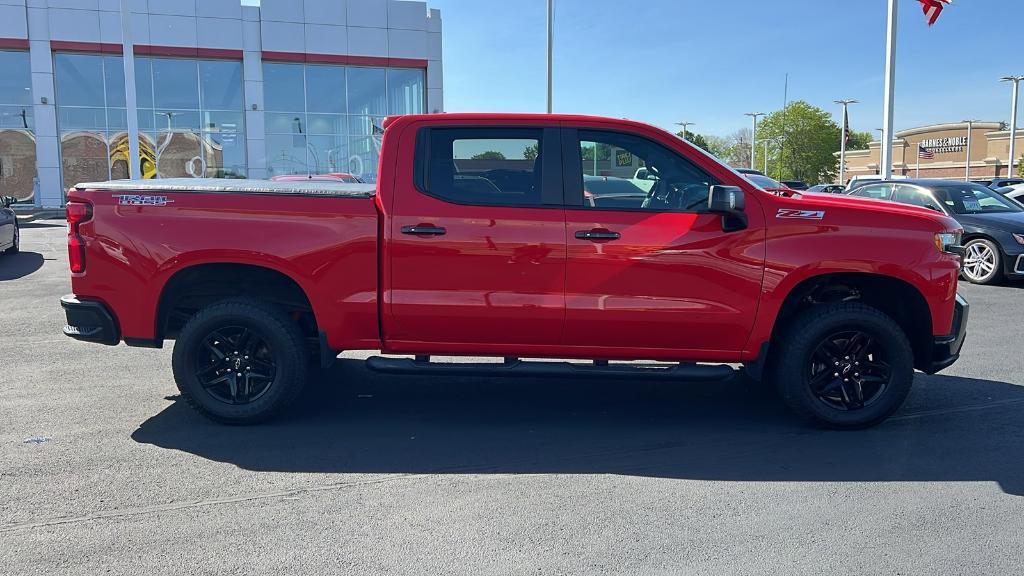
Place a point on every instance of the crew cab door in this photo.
(649, 272)
(477, 241)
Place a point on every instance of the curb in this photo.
(26, 217)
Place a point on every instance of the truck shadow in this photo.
(356, 421)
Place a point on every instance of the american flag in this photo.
(846, 127)
(925, 153)
(932, 9)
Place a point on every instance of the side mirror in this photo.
(730, 203)
(8, 200)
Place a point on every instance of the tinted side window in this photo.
(494, 166)
(909, 195)
(877, 191)
(629, 172)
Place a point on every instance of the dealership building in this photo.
(218, 89)
(946, 144)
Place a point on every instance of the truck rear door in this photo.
(476, 249)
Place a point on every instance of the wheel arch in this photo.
(895, 297)
(199, 284)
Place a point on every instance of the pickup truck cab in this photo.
(477, 240)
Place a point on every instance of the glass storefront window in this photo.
(17, 137)
(220, 85)
(283, 87)
(175, 84)
(367, 92)
(406, 87)
(189, 111)
(327, 118)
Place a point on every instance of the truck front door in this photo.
(477, 241)
(649, 272)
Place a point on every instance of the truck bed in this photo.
(236, 186)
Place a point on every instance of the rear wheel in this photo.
(843, 365)
(982, 262)
(240, 361)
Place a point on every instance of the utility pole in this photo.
(551, 32)
(967, 168)
(753, 136)
(842, 139)
(684, 125)
(1013, 122)
(890, 81)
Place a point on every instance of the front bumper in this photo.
(90, 321)
(946, 349)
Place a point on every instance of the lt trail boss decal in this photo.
(140, 200)
(801, 214)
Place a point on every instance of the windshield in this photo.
(763, 181)
(970, 198)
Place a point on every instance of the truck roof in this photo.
(236, 186)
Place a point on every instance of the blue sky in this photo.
(709, 61)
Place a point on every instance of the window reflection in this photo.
(326, 118)
(17, 138)
(189, 113)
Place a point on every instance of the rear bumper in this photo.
(946, 349)
(90, 321)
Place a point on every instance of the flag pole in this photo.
(890, 80)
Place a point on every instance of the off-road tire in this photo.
(794, 357)
(284, 344)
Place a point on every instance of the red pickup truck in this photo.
(476, 240)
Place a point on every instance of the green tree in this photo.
(488, 155)
(858, 140)
(1020, 167)
(604, 151)
(530, 152)
(713, 145)
(802, 139)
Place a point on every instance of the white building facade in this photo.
(220, 89)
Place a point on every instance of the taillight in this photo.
(77, 213)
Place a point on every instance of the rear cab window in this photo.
(501, 166)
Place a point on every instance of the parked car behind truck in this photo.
(835, 300)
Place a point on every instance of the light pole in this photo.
(967, 169)
(753, 136)
(842, 138)
(1013, 121)
(684, 125)
(551, 18)
(890, 81)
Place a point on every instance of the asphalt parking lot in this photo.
(103, 470)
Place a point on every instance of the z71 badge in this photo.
(141, 200)
(801, 214)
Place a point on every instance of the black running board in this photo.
(513, 367)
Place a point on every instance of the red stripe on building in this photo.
(68, 46)
(19, 43)
(272, 56)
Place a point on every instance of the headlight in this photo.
(1019, 238)
(947, 241)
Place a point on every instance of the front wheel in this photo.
(240, 361)
(981, 262)
(843, 365)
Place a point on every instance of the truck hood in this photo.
(872, 205)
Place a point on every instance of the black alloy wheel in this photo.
(235, 365)
(848, 370)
